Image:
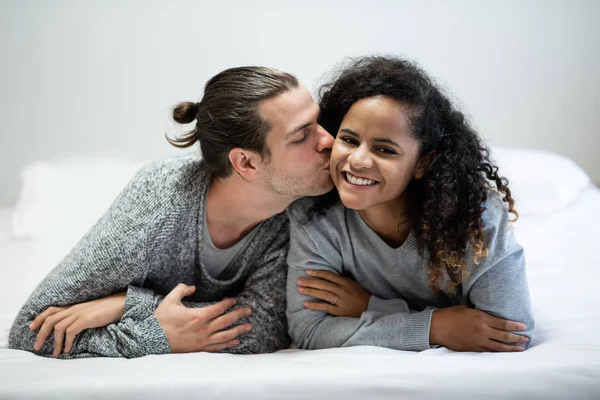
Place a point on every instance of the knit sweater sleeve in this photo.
(401, 329)
(498, 284)
(110, 258)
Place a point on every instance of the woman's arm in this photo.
(498, 285)
(313, 329)
(385, 322)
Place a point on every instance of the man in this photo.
(215, 223)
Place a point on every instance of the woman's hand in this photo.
(71, 320)
(343, 297)
(462, 328)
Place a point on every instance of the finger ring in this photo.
(334, 300)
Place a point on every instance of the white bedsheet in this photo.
(563, 260)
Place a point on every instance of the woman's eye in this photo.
(386, 150)
(348, 140)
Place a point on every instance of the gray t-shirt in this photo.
(399, 311)
(217, 260)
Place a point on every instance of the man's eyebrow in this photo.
(296, 129)
(383, 140)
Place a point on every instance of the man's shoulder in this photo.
(172, 167)
(173, 175)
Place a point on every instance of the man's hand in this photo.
(71, 320)
(199, 329)
(462, 328)
(344, 297)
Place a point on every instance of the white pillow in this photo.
(66, 198)
(540, 181)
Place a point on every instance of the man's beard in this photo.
(296, 186)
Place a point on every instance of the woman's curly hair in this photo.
(446, 205)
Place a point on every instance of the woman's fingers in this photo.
(323, 307)
(319, 284)
(493, 346)
(503, 324)
(507, 337)
(329, 297)
(327, 275)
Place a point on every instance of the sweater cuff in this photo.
(139, 307)
(137, 301)
(416, 330)
(154, 338)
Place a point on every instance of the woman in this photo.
(415, 248)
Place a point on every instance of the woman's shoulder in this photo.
(315, 236)
(324, 229)
(309, 211)
(498, 227)
(496, 210)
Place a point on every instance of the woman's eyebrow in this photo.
(384, 140)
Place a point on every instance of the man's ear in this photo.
(423, 165)
(244, 163)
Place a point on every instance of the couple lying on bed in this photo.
(413, 248)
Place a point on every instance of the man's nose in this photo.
(325, 140)
(360, 158)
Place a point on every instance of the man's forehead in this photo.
(288, 109)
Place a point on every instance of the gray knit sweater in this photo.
(147, 243)
(401, 304)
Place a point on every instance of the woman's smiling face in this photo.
(374, 158)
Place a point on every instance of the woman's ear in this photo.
(423, 165)
(244, 162)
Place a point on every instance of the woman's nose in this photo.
(360, 158)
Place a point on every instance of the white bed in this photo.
(563, 262)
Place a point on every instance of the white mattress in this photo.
(564, 363)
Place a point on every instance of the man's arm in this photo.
(110, 258)
(263, 295)
(98, 266)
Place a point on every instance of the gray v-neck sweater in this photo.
(147, 243)
(401, 303)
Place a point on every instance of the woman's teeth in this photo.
(358, 181)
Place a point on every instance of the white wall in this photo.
(99, 77)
